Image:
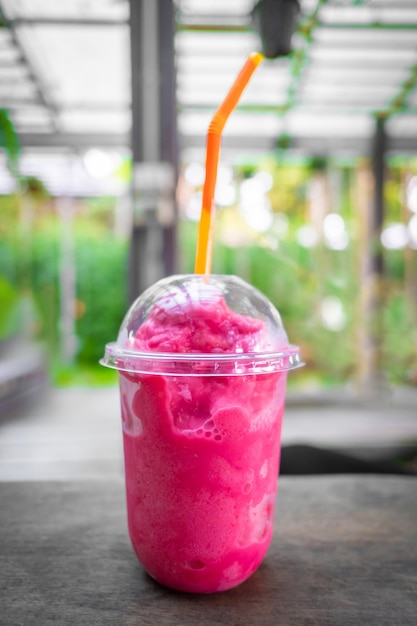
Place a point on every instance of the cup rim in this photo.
(198, 364)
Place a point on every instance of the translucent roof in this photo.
(65, 75)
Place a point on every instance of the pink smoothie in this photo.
(201, 452)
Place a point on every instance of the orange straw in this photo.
(205, 231)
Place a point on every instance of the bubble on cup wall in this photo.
(197, 564)
(395, 236)
(334, 231)
(263, 472)
(261, 518)
(332, 313)
(412, 194)
(412, 231)
(247, 488)
(307, 236)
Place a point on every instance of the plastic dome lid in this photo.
(202, 325)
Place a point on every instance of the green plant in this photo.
(9, 140)
(101, 281)
(9, 318)
(301, 282)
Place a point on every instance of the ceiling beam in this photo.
(245, 26)
(67, 21)
(358, 145)
(17, 104)
(236, 24)
(313, 109)
(369, 25)
(41, 91)
(81, 141)
(75, 140)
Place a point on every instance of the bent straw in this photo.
(205, 231)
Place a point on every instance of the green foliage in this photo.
(393, 196)
(82, 375)
(399, 332)
(30, 263)
(43, 269)
(9, 320)
(101, 271)
(8, 259)
(9, 140)
(288, 277)
(300, 280)
(394, 264)
(187, 236)
(98, 211)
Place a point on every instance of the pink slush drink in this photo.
(202, 367)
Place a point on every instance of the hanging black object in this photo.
(275, 21)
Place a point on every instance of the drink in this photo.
(202, 367)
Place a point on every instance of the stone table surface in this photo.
(344, 553)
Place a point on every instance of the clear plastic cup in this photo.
(202, 365)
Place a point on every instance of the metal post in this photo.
(378, 166)
(371, 269)
(154, 144)
(168, 116)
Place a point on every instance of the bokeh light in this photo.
(254, 205)
(193, 206)
(395, 236)
(194, 174)
(332, 313)
(334, 231)
(307, 236)
(412, 230)
(412, 194)
(100, 163)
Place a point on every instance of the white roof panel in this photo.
(65, 71)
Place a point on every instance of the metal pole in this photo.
(169, 134)
(371, 268)
(154, 146)
(378, 165)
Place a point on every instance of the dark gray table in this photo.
(344, 553)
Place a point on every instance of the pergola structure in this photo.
(145, 77)
(65, 73)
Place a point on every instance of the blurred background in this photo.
(104, 109)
